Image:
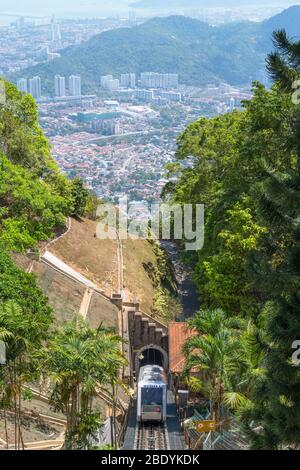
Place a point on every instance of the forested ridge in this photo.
(246, 172)
(200, 53)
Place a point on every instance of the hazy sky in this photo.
(104, 7)
(82, 7)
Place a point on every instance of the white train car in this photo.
(152, 394)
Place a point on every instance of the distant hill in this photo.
(173, 4)
(200, 53)
(288, 19)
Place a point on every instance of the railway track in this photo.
(151, 437)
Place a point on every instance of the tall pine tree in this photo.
(276, 409)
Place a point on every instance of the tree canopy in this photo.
(246, 171)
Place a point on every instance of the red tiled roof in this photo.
(178, 334)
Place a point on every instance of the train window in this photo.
(152, 396)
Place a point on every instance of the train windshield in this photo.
(152, 396)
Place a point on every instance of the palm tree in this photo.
(80, 360)
(23, 334)
(4, 336)
(211, 352)
(246, 368)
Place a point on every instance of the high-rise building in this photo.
(20, 22)
(113, 85)
(22, 85)
(146, 81)
(171, 96)
(75, 85)
(172, 80)
(105, 79)
(109, 83)
(225, 88)
(56, 35)
(106, 126)
(128, 80)
(132, 18)
(35, 87)
(60, 86)
(159, 80)
(144, 95)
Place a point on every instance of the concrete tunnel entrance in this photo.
(151, 354)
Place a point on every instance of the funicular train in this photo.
(152, 394)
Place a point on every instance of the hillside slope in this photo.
(288, 19)
(200, 53)
(98, 261)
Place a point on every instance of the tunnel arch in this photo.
(162, 354)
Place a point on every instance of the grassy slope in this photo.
(97, 260)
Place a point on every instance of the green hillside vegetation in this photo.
(74, 357)
(35, 201)
(246, 172)
(35, 196)
(199, 53)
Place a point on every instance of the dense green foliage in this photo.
(201, 54)
(166, 304)
(20, 287)
(31, 210)
(35, 197)
(25, 319)
(246, 172)
(23, 333)
(276, 402)
(210, 352)
(35, 200)
(80, 361)
(79, 196)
